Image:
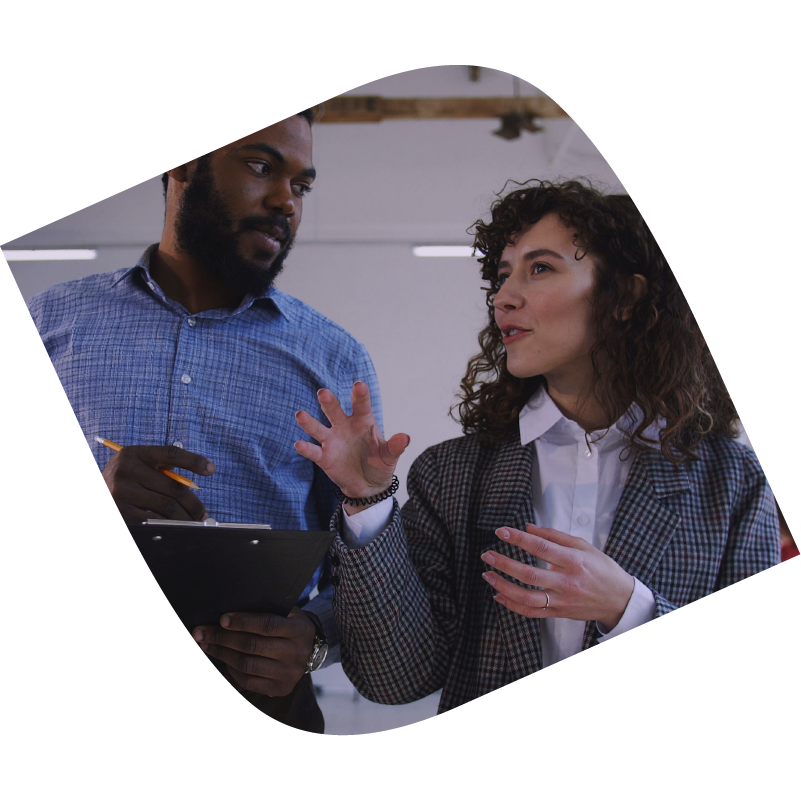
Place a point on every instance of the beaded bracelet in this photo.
(387, 493)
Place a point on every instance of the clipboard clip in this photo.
(209, 522)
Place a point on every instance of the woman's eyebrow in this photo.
(536, 254)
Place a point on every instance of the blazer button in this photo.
(334, 560)
(335, 580)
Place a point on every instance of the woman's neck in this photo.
(583, 407)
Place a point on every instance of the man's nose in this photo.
(281, 199)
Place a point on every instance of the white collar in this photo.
(540, 418)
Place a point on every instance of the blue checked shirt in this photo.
(139, 369)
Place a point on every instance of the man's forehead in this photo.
(293, 135)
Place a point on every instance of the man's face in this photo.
(242, 205)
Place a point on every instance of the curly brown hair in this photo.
(652, 351)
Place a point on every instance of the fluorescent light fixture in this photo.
(50, 255)
(434, 251)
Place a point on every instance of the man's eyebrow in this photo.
(535, 254)
(269, 150)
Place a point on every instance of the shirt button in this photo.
(582, 520)
(588, 453)
(192, 322)
(178, 444)
(186, 378)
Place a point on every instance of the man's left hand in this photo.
(265, 653)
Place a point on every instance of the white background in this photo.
(692, 108)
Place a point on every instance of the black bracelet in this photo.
(387, 493)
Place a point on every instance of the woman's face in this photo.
(543, 306)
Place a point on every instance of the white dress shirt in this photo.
(576, 489)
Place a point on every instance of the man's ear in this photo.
(180, 174)
(636, 287)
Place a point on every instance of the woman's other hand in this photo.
(582, 583)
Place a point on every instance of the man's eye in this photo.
(303, 189)
(261, 167)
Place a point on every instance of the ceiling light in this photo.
(428, 251)
(50, 255)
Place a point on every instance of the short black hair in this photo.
(307, 114)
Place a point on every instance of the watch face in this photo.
(319, 656)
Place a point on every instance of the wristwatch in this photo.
(318, 654)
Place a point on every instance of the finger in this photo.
(276, 648)
(147, 488)
(263, 623)
(308, 449)
(360, 400)
(171, 456)
(331, 407)
(550, 552)
(558, 537)
(522, 609)
(393, 448)
(260, 684)
(528, 574)
(314, 428)
(247, 664)
(533, 599)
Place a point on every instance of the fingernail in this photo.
(198, 635)
(225, 621)
(210, 467)
(205, 517)
(499, 599)
(503, 533)
(489, 578)
(488, 557)
(204, 646)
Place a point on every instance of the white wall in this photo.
(381, 188)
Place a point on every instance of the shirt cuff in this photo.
(362, 528)
(641, 608)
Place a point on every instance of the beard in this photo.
(206, 231)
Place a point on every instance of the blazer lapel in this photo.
(507, 501)
(643, 525)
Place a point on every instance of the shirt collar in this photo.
(540, 418)
(142, 268)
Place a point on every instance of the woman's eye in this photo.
(502, 279)
(540, 268)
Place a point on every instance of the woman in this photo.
(598, 484)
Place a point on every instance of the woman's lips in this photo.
(514, 334)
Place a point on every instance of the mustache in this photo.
(264, 222)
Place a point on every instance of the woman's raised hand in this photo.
(352, 452)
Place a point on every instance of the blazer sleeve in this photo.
(752, 543)
(394, 599)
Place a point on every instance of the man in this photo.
(193, 360)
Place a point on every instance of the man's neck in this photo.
(186, 281)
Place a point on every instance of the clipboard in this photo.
(210, 568)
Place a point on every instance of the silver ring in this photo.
(547, 600)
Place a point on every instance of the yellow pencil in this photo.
(174, 476)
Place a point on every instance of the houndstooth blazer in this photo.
(415, 614)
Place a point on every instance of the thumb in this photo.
(390, 450)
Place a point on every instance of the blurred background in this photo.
(418, 177)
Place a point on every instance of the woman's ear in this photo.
(636, 287)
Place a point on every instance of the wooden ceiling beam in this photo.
(374, 108)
